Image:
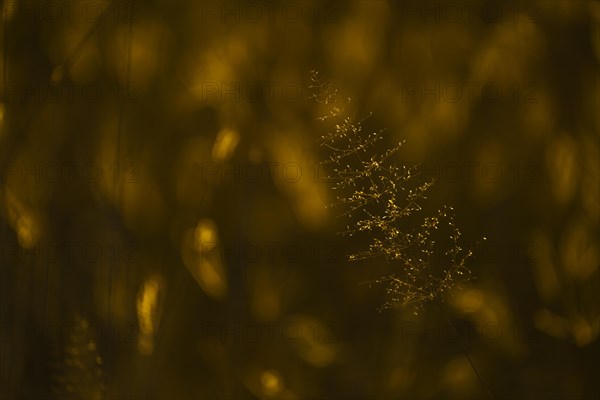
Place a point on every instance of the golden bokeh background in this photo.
(164, 225)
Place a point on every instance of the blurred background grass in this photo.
(164, 230)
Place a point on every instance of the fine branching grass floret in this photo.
(382, 202)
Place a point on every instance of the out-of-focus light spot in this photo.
(583, 333)
(563, 167)
(458, 374)
(225, 144)
(320, 355)
(201, 256)
(212, 69)
(445, 118)
(148, 314)
(58, 73)
(359, 39)
(26, 232)
(579, 252)
(315, 343)
(354, 46)
(310, 205)
(577, 328)
(22, 221)
(487, 306)
(211, 279)
(297, 181)
(272, 383)
(205, 235)
(266, 383)
(469, 301)
(551, 324)
(266, 305)
(508, 51)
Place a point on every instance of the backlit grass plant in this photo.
(381, 200)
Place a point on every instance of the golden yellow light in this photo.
(205, 235)
(148, 314)
(225, 144)
(272, 383)
(202, 258)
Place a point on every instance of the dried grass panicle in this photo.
(80, 374)
(377, 195)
